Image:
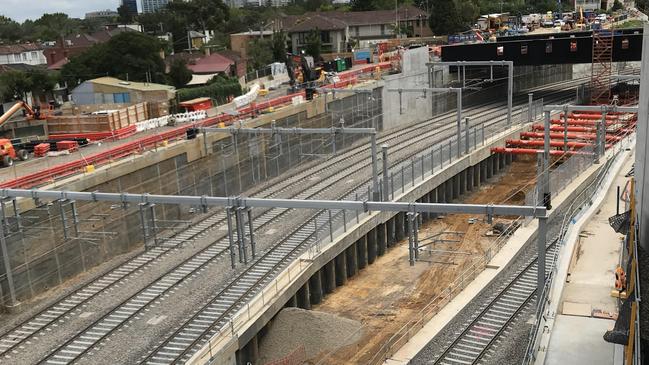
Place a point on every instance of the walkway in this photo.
(586, 299)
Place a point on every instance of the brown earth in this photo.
(389, 293)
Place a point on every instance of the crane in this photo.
(32, 113)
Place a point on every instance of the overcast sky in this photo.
(20, 10)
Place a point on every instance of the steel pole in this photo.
(375, 171)
(530, 102)
(467, 122)
(541, 245)
(6, 261)
(459, 122)
(546, 160)
(565, 130)
(384, 151)
(510, 93)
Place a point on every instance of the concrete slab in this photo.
(589, 348)
(591, 264)
(577, 309)
(598, 252)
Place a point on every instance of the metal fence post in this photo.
(331, 227)
(375, 170)
(530, 101)
(7, 263)
(412, 171)
(565, 129)
(467, 122)
(228, 214)
(251, 229)
(459, 122)
(540, 264)
(384, 152)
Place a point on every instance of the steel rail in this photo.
(66, 309)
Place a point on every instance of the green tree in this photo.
(55, 26)
(260, 53)
(444, 18)
(363, 5)
(129, 56)
(9, 30)
(16, 85)
(313, 45)
(179, 74)
(617, 5)
(125, 16)
(279, 46)
(43, 82)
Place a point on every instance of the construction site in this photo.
(475, 207)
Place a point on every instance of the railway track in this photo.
(215, 314)
(488, 323)
(106, 325)
(16, 338)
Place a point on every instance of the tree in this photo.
(129, 56)
(55, 26)
(313, 45)
(279, 46)
(260, 53)
(201, 15)
(125, 16)
(444, 17)
(9, 30)
(363, 5)
(617, 5)
(16, 85)
(179, 74)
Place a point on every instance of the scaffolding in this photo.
(602, 66)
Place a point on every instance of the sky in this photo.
(20, 10)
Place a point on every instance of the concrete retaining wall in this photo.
(41, 257)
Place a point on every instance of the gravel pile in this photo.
(317, 331)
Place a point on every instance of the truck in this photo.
(8, 153)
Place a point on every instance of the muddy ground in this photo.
(385, 295)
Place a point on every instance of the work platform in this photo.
(547, 49)
(586, 296)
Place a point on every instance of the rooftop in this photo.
(139, 86)
(20, 48)
(213, 63)
(338, 20)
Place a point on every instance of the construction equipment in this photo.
(301, 74)
(8, 153)
(31, 113)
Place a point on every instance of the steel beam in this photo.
(241, 202)
(592, 108)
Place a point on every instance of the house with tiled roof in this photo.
(28, 54)
(340, 29)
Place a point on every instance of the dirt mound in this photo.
(318, 332)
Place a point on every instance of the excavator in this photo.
(301, 74)
(8, 152)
